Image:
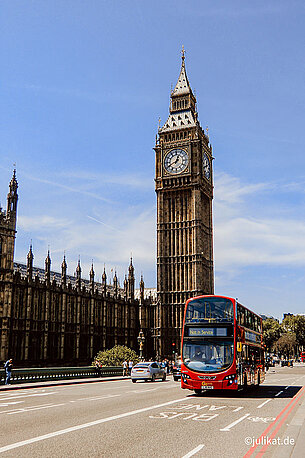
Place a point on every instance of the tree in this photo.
(296, 324)
(272, 331)
(116, 356)
(285, 344)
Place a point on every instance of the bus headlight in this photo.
(185, 377)
(231, 379)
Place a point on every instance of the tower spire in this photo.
(183, 86)
(12, 197)
(30, 258)
(64, 271)
(183, 55)
(182, 111)
(47, 273)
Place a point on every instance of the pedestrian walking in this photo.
(125, 365)
(8, 366)
(130, 364)
(98, 368)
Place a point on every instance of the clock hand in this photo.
(173, 161)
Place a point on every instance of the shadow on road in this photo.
(263, 391)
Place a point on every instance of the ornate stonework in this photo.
(49, 318)
(184, 188)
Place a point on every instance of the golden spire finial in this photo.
(159, 122)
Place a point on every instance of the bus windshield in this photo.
(209, 309)
(208, 355)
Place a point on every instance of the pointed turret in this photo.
(64, 271)
(131, 281)
(78, 274)
(30, 258)
(183, 104)
(125, 288)
(12, 199)
(183, 86)
(104, 281)
(47, 272)
(115, 284)
(141, 290)
(92, 274)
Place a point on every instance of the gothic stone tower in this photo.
(184, 188)
(8, 220)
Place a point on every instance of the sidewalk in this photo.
(295, 431)
(22, 386)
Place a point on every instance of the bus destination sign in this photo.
(208, 332)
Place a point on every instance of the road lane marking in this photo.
(194, 451)
(261, 405)
(277, 394)
(227, 428)
(85, 425)
(30, 409)
(96, 398)
(6, 404)
(27, 396)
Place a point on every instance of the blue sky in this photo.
(83, 84)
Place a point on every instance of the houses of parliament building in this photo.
(51, 318)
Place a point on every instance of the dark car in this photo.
(177, 370)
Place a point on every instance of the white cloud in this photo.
(230, 190)
(43, 222)
(244, 236)
(112, 241)
(244, 239)
(123, 179)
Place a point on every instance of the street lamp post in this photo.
(141, 340)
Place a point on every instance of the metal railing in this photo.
(57, 373)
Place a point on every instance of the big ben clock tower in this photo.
(184, 188)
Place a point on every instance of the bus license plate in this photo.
(207, 387)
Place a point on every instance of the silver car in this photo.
(148, 371)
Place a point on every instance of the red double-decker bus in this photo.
(222, 345)
(303, 356)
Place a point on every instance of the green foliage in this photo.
(116, 356)
(296, 324)
(286, 343)
(272, 331)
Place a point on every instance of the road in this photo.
(122, 419)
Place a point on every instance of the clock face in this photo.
(176, 161)
(206, 166)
